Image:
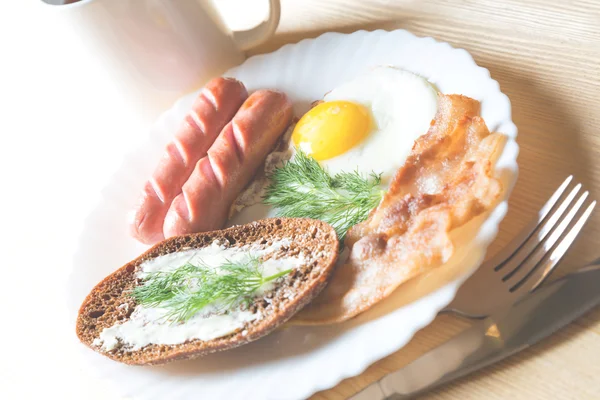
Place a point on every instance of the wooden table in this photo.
(546, 56)
(544, 53)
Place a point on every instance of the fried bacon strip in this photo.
(445, 182)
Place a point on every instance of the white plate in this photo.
(295, 362)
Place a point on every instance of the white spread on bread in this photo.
(147, 325)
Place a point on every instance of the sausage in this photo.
(232, 161)
(215, 106)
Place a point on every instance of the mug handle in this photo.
(260, 33)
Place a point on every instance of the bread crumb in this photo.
(221, 243)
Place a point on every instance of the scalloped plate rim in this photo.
(444, 294)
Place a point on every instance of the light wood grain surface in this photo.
(61, 124)
(546, 57)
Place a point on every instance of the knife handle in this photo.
(484, 344)
(433, 369)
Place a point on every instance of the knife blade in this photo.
(535, 317)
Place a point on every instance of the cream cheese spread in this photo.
(148, 325)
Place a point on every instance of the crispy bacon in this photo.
(445, 182)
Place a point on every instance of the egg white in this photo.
(402, 106)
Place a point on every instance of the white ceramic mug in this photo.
(160, 49)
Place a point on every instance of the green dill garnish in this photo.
(302, 188)
(189, 288)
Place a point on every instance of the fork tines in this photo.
(540, 247)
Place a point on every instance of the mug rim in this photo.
(79, 3)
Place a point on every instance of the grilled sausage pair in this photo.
(223, 140)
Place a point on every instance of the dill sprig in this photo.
(303, 188)
(189, 288)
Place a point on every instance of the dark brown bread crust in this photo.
(109, 302)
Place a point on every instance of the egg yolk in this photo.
(332, 128)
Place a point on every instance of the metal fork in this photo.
(528, 259)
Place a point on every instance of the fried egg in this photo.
(368, 124)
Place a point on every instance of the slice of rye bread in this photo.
(315, 240)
